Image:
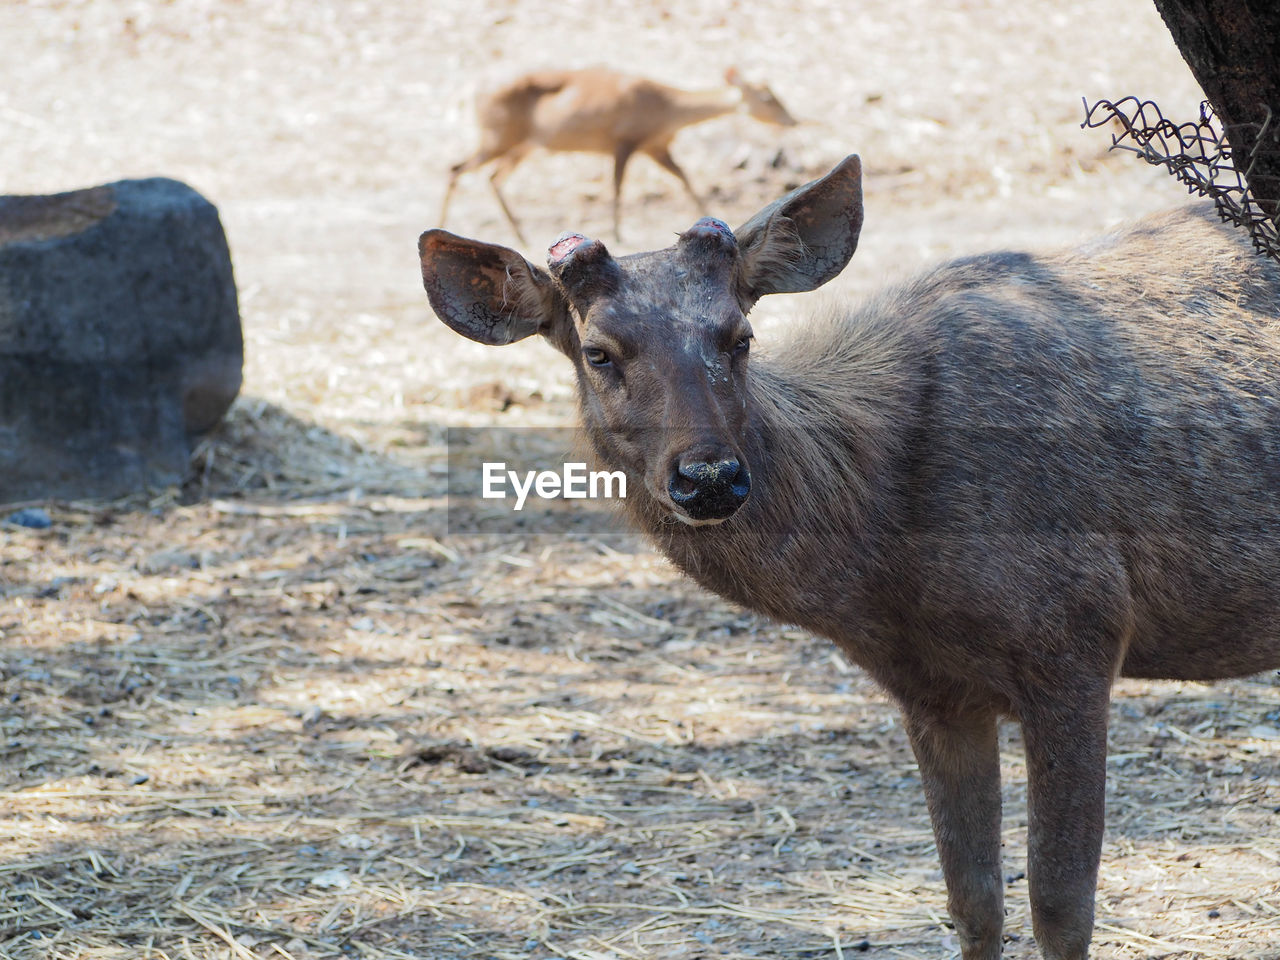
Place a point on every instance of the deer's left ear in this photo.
(802, 240)
(485, 292)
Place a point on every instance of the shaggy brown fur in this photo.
(997, 487)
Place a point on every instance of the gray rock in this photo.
(120, 338)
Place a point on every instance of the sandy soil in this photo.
(280, 713)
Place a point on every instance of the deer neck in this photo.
(694, 106)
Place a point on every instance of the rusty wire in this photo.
(1199, 154)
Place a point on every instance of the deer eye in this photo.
(596, 357)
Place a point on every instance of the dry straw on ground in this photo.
(280, 713)
(314, 730)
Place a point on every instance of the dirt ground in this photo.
(281, 713)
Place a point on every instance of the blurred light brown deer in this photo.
(601, 111)
(998, 486)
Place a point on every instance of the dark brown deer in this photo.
(601, 111)
(997, 487)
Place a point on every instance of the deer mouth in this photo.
(691, 522)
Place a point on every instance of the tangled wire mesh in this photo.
(1199, 154)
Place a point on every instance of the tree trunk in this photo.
(1233, 48)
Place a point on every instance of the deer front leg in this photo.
(1066, 743)
(959, 760)
(621, 155)
(661, 155)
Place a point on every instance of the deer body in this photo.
(889, 465)
(997, 487)
(600, 111)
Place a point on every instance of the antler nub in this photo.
(709, 235)
(712, 225)
(581, 265)
(565, 244)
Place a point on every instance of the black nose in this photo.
(709, 489)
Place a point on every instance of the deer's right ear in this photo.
(485, 292)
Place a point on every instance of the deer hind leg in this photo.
(476, 160)
(454, 172)
(661, 155)
(958, 754)
(501, 170)
(1066, 743)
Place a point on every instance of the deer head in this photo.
(659, 341)
(758, 101)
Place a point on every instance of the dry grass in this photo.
(278, 713)
(315, 731)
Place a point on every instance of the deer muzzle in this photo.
(708, 489)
